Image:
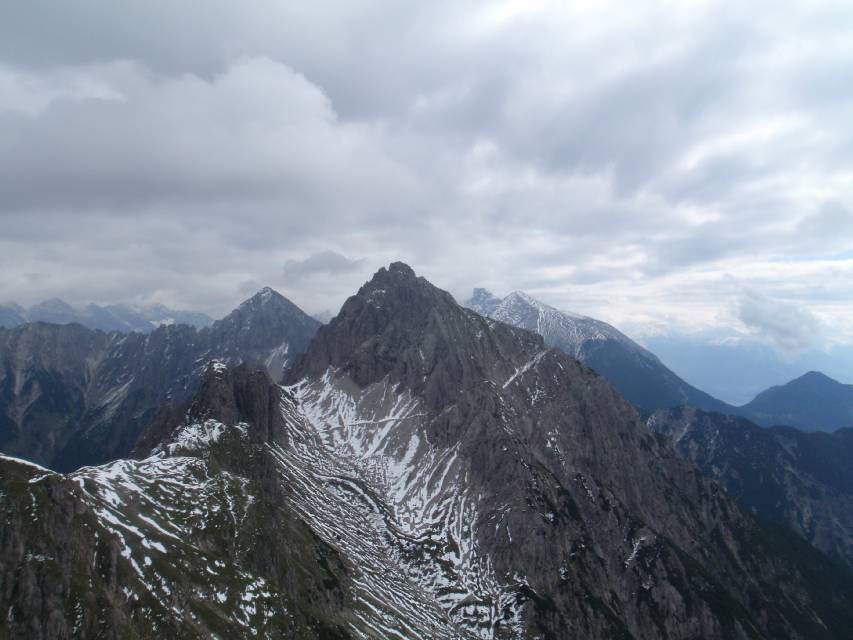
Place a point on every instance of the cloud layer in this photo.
(790, 328)
(644, 163)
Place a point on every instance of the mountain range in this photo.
(73, 396)
(811, 402)
(421, 472)
(113, 317)
(736, 367)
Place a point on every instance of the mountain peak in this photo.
(265, 302)
(265, 296)
(812, 402)
(525, 299)
(815, 377)
(481, 292)
(120, 316)
(266, 328)
(483, 301)
(520, 296)
(402, 268)
(398, 275)
(402, 325)
(14, 306)
(398, 285)
(53, 310)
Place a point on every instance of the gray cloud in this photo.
(788, 326)
(324, 262)
(621, 168)
(830, 226)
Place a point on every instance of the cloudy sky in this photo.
(663, 166)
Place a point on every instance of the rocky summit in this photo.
(422, 471)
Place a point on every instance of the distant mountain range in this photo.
(113, 317)
(812, 402)
(71, 395)
(736, 367)
(422, 472)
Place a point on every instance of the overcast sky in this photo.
(663, 166)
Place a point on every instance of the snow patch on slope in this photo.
(563, 329)
(197, 437)
(370, 445)
(156, 508)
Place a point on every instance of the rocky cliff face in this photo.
(802, 481)
(635, 372)
(70, 396)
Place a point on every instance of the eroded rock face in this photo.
(802, 481)
(227, 395)
(71, 396)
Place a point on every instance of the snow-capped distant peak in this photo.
(520, 297)
(563, 329)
